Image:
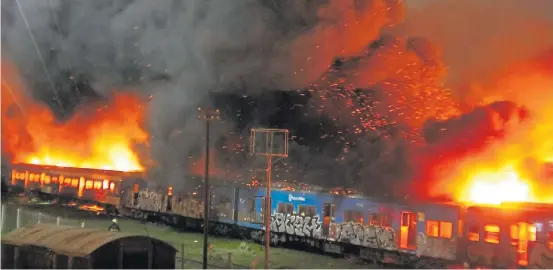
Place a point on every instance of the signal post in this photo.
(269, 143)
(207, 115)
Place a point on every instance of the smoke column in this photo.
(179, 51)
(391, 79)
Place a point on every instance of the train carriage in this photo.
(430, 234)
(513, 235)
(101, 186)
(431, 231)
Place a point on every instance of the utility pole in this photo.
(207, 115)
(268, 211)
(263, 143)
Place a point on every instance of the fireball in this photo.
(505, 185)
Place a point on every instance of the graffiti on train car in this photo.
(541, 257)
(297, 225)
(188, 207)
(157, 202)
(492, 255)
(443, 248)
(367, 236)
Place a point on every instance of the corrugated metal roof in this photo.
(67, 240)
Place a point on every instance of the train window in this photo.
(514, 234)
(285, 208)
(75, 182)
(263, 206)
(474, 234)
(550, 240)
(531, 232)
(54, 179)
(307, 210)
(383, 220)
(329, 210)
(432, 228)
(105, 184)
(88, 184)
(112, 187)
(374, 219)
(47, 179)
(354, 216)
(446, 229)
(251, 205)
(386, 220)
(491, 234)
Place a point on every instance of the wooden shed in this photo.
(65, 247)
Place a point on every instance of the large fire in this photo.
(101, 137)
(407, 72)
(511, 167)
(499, 186)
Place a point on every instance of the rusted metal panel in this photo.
(67, 240)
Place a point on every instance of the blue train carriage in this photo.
(333, 219)
(387, 232)
(517, 235)
(295, 215)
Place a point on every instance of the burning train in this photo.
(424, 234)
(103, 187)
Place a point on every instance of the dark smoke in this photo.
(480, 37)
(364, 95)
(179, 51)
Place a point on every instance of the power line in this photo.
(58, 30)
(10, 90)
(56, 96)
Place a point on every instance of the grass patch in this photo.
(243, 252)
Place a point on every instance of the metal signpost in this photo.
(207, 115)
(269, 143)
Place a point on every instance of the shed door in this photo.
(135, 259)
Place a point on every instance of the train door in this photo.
(329, 210)
(260, 205)
(522, 233)
(408, 230)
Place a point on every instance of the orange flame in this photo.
(93, 137)
(511, 169)
(496, 187)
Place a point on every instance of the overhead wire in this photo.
(62, 47)
(10, 90)
(35, 44)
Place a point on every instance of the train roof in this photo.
(60, 169)
(515, 208)
(284, 186)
